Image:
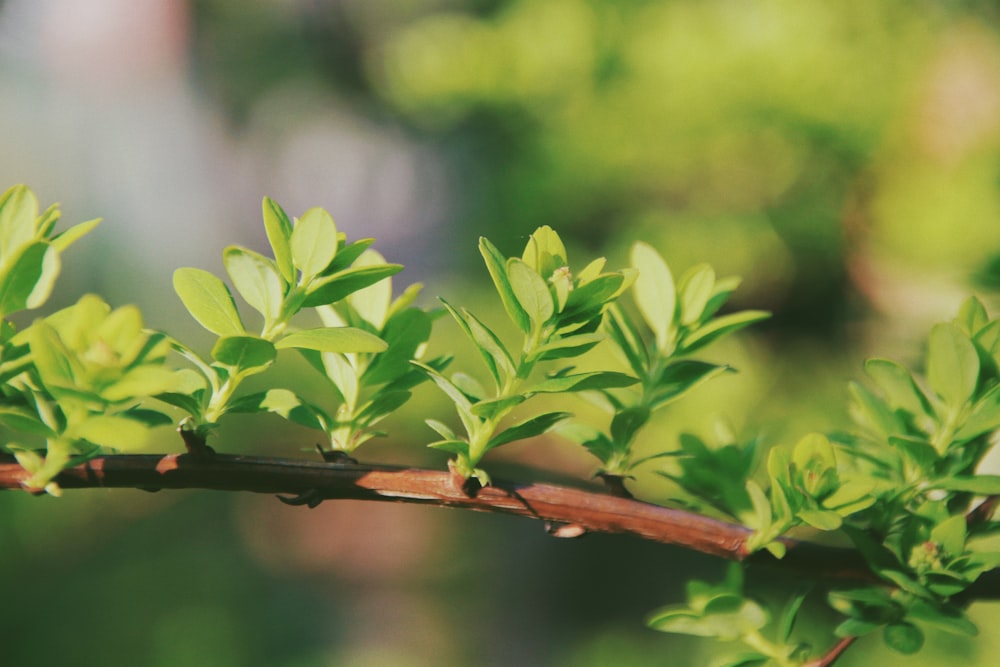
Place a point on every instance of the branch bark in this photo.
(567, 512)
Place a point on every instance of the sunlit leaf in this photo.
(279, 234)
(531, 291)
(256, 279)
(244, 352)
(952, 364)
(339, 339)
(313, 242)
(527, 429)
(496, 264)
(655, 294)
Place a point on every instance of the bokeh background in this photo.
(843, 157)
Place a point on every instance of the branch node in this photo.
(195, 444)
(336, 456)
(615, 484)
(467, 486)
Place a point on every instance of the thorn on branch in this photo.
(311, 499)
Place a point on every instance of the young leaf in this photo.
(720, 326)
(952, 364)
(695, 289)
(336, 286)
(244, 352)
(27, 280)
(113, 431)
(314, 242)
(582, 382)
(209, 301)
(905, 638)
(531, 291)
(496, 264)
(256, 279)
(898, 386)
(339, 339)
(496, 357)
(655, 294)
(372, 303)
(67, 238)
(279, 234)
(985, 416)
(18, 210)
(527, 429)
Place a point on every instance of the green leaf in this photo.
(209, 301)
(545, 252)
(244, 353)
(587, 301)
(942, 617)
(950, 534)
(67, 238)
(113, 431)
(284, 403)
(695, 289)
(314, 242)
(985, 416)
(719, 327)
(141, 382)
(279, 235)
(451, 446)
(24, 420)
(527, 429)
(952, 364)
(627, 423)
(905, 638)
(256, 279)
(18, 211)
(373, 302)
(655, 294)
(337, 286)
(981, 485)
(898, 386)
(441, 429)
(338, 339)
(582, 382)
(496, 357)
(972, 316)
(531, 291)
(628, 340)
(28, 278)
(55, 364)
(821, 520)
(491, 408)
(405, 333)
(681, 377)
(869, 411)
(496, 264)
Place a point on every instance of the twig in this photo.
(585, 510)
(833, 654)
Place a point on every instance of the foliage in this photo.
(905, 489)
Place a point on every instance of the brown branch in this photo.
(833, 654)
(567, 512)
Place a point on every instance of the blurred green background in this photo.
(843, 157)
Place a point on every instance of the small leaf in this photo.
(531, 291)
(695, 289)
(334, 287)
(582, 382)
(244, 352)
(339, 339)
(67, 238)
(113, 431)
(527, 429)
(655, 294)
(952, 364)
(441, 429)
(372, 303)
(627, 423)
(490, 409)
(972, 316)
(22, 419)
(279, 235)
(982, 485)
(898, 386)
(985, 416)
(720, 326)
(256, 279)
(28, 278)
(496, 264)
(451, 446)
(314, 242)
(18, 211)
(681, 377)
(905, 638)
(209, 301)
(284, 403)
